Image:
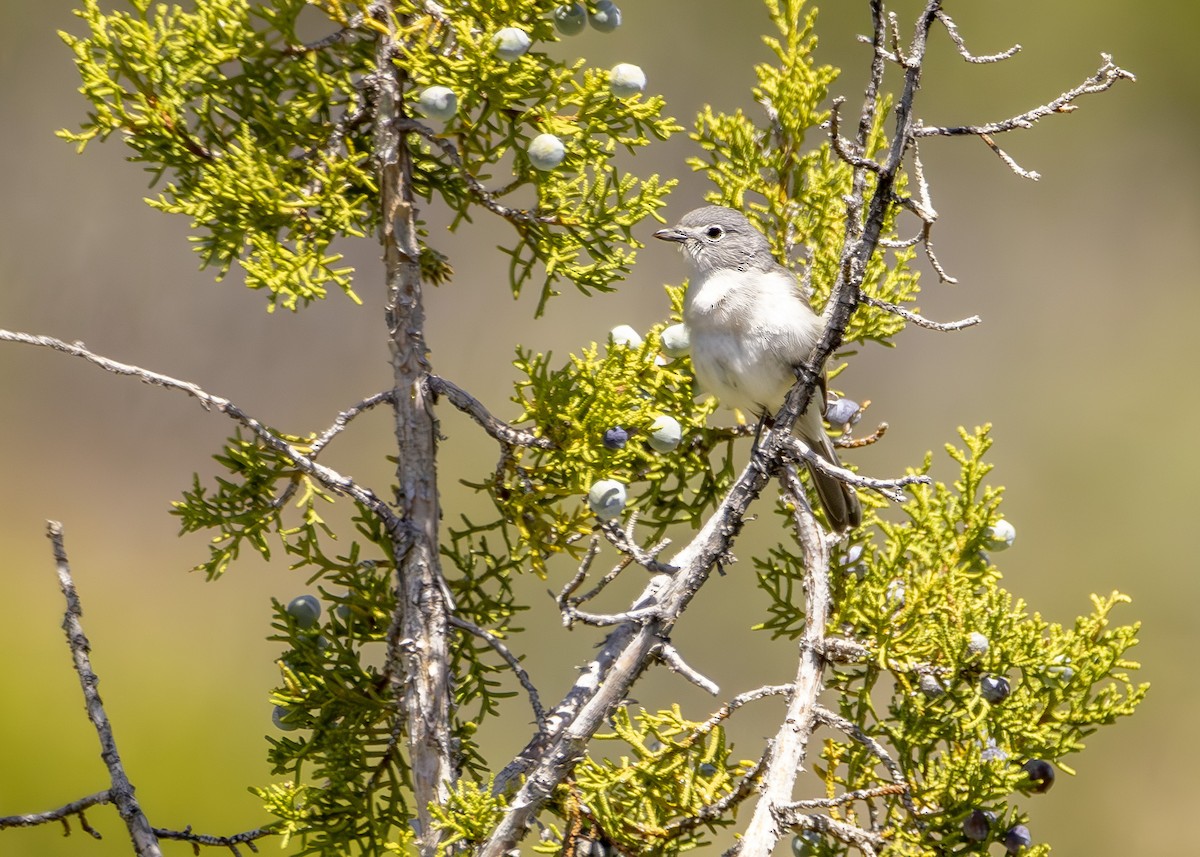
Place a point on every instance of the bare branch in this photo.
(853, 730)
(863, 840)
(471, 406)
(343, 419)
(418, 655)
(326, 476)
(841, 146)
(790, 745)
(718, 808)
(890, 488)
(62, 813)
(1104, 78)
(920, 320)
(1032, 175)
(844, 798)
(952, 29)
(121, 791)
(231, 842)
(514, 663)
(623, 540)
(676, 664)
(848, 442)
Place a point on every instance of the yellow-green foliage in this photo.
(264, 142)
(263, 146)
(675, 768)
(913, 597)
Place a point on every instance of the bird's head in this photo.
(718, 238)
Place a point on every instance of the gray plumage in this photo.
(750, 326)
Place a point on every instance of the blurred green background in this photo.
(1082, 364)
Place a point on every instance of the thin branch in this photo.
(952, 29)
(343, 419)
(623, 540)
(514, 663)
(863, 840)
(121, 791)
(62, 813)
(563, 599)
(890, 488)
(853, 730)
(676, 664)
(848, 442)
(352, 32)
(790, 745)
(920, 320)
(842, 146)
(479, 192)
(471, 406)
(1104, 78)
(231, 842)
(1009, 162)
(326, 476)
(718, 808)
(844, 798)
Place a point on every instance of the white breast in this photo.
(748, 330)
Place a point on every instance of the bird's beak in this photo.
(672, 234)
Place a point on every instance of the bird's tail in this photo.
(838, 499)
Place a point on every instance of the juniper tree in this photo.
(950, 701)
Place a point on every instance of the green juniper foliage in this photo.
(265, 142)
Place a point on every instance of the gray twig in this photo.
(920, 320)
(790, 745)
(952, 29)
(1104, 78)
(121, 790)
(676, 664)
(890, 488)
(471, 406)
(514, 663)
(62, 813)
(326, 476)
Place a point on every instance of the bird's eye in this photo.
(714, 232)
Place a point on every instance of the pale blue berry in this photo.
(606, 499)
(1000, 535)
(978, 825)
(994, 688)
(605, 17)
(977, 644)
(841, 412)
(570, 18)
(895, 594)
(931, 687)
(676, 341)
(305, 609)
(993, 753)
(626, 80)
(511, 43)
(1060, 670)
(625, 335)
(665, 434)
(284, 719)
(1041, 773)
(707, 770)
(615, 438)
(546, 152)
(1016, 838)
(438, 102)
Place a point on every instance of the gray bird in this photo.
(750, 326)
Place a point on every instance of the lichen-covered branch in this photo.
(418, 640)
